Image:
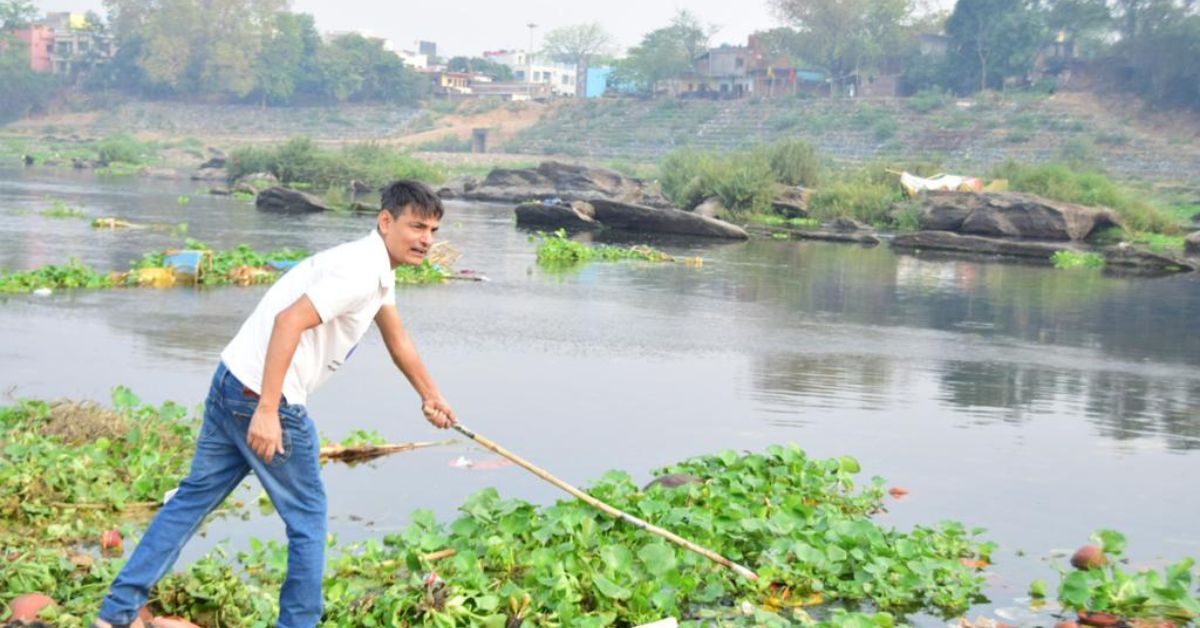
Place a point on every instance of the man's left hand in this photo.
(438, 412)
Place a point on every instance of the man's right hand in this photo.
(265, 436)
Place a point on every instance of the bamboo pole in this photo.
(619, 514)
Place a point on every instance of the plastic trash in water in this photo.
(43, 292)
(283, 264)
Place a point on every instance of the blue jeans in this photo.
(292, 480)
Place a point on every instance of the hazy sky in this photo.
(472, 26)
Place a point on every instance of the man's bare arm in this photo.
(405, 357)
(265, 436)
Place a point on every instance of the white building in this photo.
(560, 77)
(414, 60)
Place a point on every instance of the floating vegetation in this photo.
(74, 274)
(1077, 259)
(1100, 587)
(77, 470)
(424, 273)
(558, 250)
(59, 209)
(77, 475)
(196, 264)
(114, 223)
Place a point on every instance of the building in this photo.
(39, 39)
(64, 43)
(414, 60)
(451, 83)
(559, 77)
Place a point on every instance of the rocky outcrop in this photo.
(1191, 245)
(458, 187)
(1118, 256)
(211, 174)
(649, 219)
(569, 182)
(577, 215)
(279, 199)
(1011, 215)
(949, 241)
(711, 208)
(159, 173)
(791, 201)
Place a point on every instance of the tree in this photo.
(479, 65)
(1157, 52)
(577, 45)
(358, 69)
(16, 14)
(664, 53)
(281, 63)
(24, 91)
(1087, 23)
(196, 47)
(991, 40)
(846, 36)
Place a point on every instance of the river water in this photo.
(1040, 404)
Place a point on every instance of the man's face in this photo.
(407, 238)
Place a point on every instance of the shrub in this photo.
(1086, 187)
(744, 181)
(123, 148)
(861, 198)
(795, 162)
(299, 160)
(927, 100)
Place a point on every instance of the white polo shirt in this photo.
(347, 285)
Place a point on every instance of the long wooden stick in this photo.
(619, 514)
(369, 452)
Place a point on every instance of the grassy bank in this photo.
(119, 153)
(300, 160)
(746, 182)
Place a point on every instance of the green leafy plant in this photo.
(1170, 593)
(1077, 259)
(557, 249)
(59, 209)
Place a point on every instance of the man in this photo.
(304, 328)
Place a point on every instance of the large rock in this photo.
(577, 215)
(565, 181)
(459, 186)
(279, 199)
(791, 201)
(1191, 245)
(949, 241)
(1119, 256)
(1012, 215)
(648, 219)
(710, 208)
(211, 174)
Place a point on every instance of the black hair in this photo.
(413, 195)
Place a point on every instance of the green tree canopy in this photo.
(846, 36)
(991, 40)
(664, 53)
(16, 14)
(487, 67)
